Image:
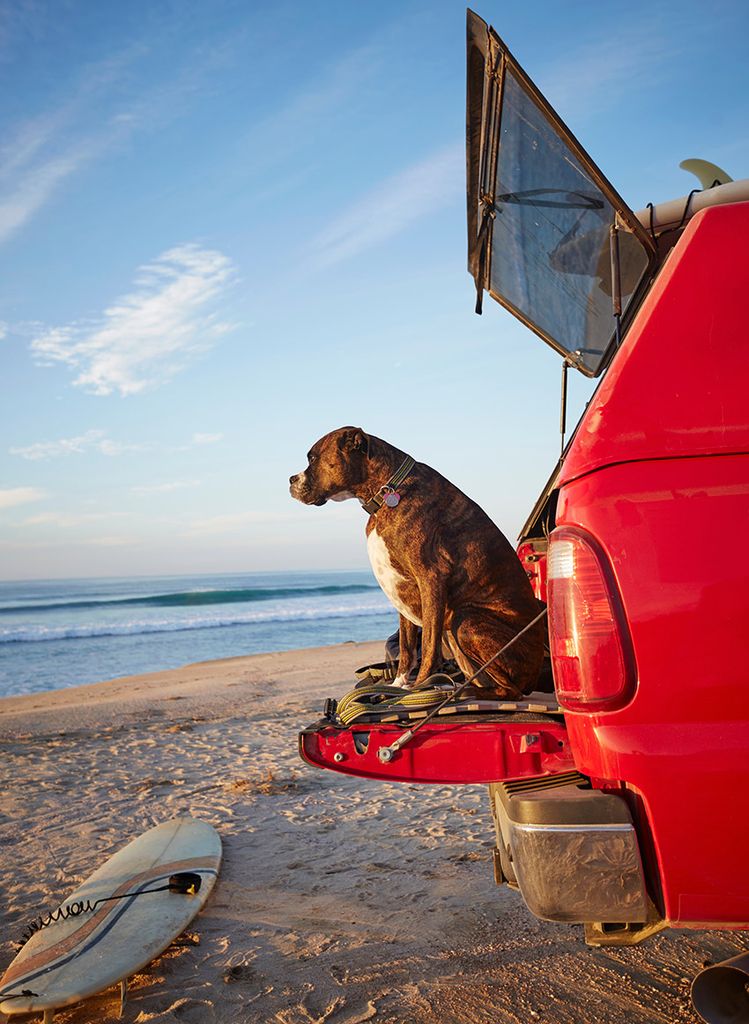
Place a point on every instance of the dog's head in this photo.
(337, 464)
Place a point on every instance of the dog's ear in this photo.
(355, 440)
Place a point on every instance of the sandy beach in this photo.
(340, 900)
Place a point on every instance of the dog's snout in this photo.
(296, 486)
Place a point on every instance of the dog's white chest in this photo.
(386, 575)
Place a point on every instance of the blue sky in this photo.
(227, 228)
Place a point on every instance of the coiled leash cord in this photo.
(187, 883)
(386, 754)
(25, 993)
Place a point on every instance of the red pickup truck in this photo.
(626, 805)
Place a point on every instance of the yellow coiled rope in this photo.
(377, 698)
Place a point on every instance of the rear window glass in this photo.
(550, 248)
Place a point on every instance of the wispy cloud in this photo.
(318, 103)
(165, 488)
(97, 442)
(3, 329)
(233, 522)
(24, 197)
(12, 496)
(238, 523)
(392, 206)
(207, 438)
(58, 519)
(115, 541)
(149, 334)
(91, 441)
(99, 110)
(595, 75)
(37, 155)
(19, 19)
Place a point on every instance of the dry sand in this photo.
(340, 900)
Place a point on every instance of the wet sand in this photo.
(340, 900)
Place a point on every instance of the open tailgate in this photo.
(468, 744)
(548, 236)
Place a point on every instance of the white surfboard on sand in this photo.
(74, 958)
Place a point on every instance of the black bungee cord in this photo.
(186, 883)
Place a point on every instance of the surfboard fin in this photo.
(123, 995)
(707, 173)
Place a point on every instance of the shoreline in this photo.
(189, 681)
(59, 634)
(340, 900)
(190, 665)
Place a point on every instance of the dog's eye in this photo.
(312, 458)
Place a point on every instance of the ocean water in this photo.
(59, 633)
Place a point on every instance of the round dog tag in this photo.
(391, 499)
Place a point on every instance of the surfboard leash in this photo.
(25, 993)
(186, 883)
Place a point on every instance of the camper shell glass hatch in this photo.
(548, 236)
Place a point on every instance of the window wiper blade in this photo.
(530, 197)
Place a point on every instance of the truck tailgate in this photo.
(464, 749)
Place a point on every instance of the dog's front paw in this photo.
(402, 681)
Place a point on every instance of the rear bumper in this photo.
(571, 850)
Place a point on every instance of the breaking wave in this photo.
(39, 633)
(194, 598)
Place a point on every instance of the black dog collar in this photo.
(379, 498)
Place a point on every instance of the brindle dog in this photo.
(439, 558)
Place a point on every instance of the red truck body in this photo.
(658, 474)
(625, 806)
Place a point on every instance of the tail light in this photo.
(591, 649)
